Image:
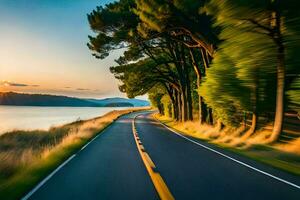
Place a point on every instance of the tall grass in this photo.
(292, 147)
(27, 156)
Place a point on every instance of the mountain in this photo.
(117, 100)
(22, 99)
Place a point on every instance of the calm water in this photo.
(27, 117)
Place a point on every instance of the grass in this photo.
(281, 156)
(26, 157)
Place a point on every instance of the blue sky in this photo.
(43, 49)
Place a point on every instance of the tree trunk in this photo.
(160, 109)
(179, 106)
(210, 119)
(177, 56)
(219, 125)
(202, 108)
(278, 122)
(253, 126)
(185, 84)
(205, 61)
(254, 101)
(172, 110)
(184, 105)
(279, 112)
(175, 111)
(175, 105)
(188, 96)
(253, 122)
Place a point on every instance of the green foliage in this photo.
(294, 95)
(113, 25)
(133, 77)
(239, 35)
(243, 71)
(155, 96)
(222, 90)
(170, 16)
(153, 15)
(167, 104)
(139, 77)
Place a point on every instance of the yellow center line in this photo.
(158, 182)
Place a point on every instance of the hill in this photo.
(119, 100)
(22, 99)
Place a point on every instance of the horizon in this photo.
(144, 98)
(44, 50)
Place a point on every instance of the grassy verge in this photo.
(26, 157)
(265, 153)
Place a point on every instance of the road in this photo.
(110, 167)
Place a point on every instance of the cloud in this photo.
(82, 89)
(12, 84)
(78, 89)
(15, 84)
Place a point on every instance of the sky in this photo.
(43, 49)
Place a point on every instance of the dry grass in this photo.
(228, 136)
(257, 145)
(30, 155)
(292, 147)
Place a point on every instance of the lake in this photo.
(31, 117)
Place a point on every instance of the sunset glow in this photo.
(43, 51)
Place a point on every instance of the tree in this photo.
(241, 56)
(141, 77)
(182, 22)
(155, 96)
(113, 25)
(223, 91)
(267, 18)
(117, 33)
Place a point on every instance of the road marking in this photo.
(158, 182)
(85, 145)
(233, 159)
(27, 196)
(94, 138)
(149, 160)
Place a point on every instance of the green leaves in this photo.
(248, 56)
(241, 37)
(113, 25)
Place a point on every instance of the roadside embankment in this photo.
(282, 156)
(28, 156)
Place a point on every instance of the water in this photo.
(28, 117)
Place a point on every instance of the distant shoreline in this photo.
(46, 100)
(73, 106)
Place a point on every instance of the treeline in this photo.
(218, 61)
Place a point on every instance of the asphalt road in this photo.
(110, 167)
(194, 172)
